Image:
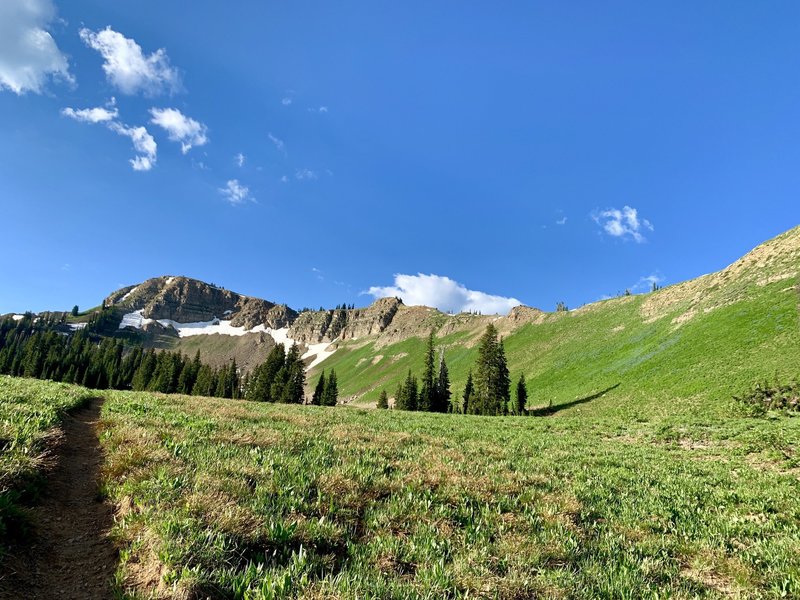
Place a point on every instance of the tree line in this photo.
(488, 392)
(33, 348)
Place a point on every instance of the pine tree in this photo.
(442, 390)
(330, 396)
(492, 384)
(427, 393)
(400, 398)
(469, 389)
(383, 400)
(316, 399)
(522, 396)
(295, 378)
(74, 312)
(408, 395)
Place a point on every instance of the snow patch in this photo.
(134, 319)
(18, 317)
(320, 350)
(77, 326)
(170, 280)
(126, 296)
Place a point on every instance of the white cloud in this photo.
(286, 100)
(645, 284)
(239, 158)
(284, 179)
(236, 193)
(180, 127)
(128, 68)
(443, 293)
(91, 115)
(623, 223)
(143, 143)
(278, 142)
(562, 221)
(28, 53)
(319, 109)
(305, 174)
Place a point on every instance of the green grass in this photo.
(230, 499)
(653, 367)
(30, 410)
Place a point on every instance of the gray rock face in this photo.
(188, 300)
(313, 327)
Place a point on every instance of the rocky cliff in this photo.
(313, 327)
(188, 300)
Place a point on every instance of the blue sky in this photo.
(308, 152)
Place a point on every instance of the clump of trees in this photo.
(326, 392)
(432, 393)
(280, 378)
(33, 348)
(487, 392)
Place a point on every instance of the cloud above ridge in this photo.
(443, 293)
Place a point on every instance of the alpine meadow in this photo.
(399, 301)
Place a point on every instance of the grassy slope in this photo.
(29, 412)
(678, 349)
(232, 499)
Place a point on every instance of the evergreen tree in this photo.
(74, 311)
(264, 376)
(294, 379)
(427, 392)
(383, 400)
(330, 396)
(442, 389)
(400, 397)
(408, 395)
(492, 384)
(522, 396)
(316, 399)
(466, 407)
(205, 384)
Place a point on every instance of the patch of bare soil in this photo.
(67, 553)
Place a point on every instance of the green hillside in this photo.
(687, 348)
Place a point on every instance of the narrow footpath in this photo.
(67, 554)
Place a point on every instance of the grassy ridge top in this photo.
(685, 348)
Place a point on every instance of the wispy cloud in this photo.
(286, 100)
(443, 293)
(128, 68)
(284, 179)
(180, 128)
(277, 142)
(239, 159)
(305, 175)
(318, 109)
(143, 143)
(236, 193)
(562, 221)
(29, 55)
(624, 223)
(646, 283)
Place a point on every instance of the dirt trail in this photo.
(67, 554)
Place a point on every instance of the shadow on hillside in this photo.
(551, 410)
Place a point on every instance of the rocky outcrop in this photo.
(313, 327)
(186, 300)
